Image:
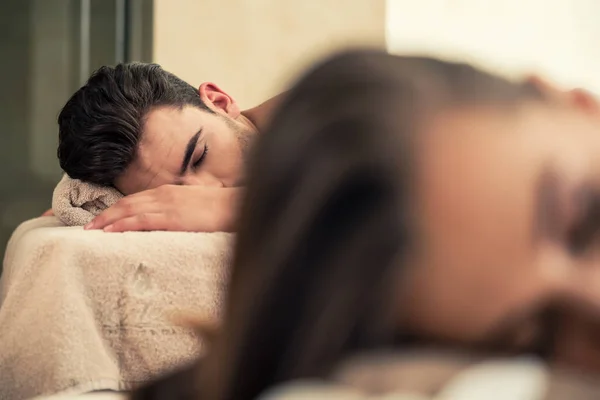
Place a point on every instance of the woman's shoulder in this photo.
(427, 375)
(329, 390)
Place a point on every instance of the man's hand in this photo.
(172, 208)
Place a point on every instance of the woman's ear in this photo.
(578, 98)
(217, 100)
(548, 89)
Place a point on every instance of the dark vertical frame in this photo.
(139, 30)
(100, 32)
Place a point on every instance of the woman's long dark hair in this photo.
(322, 225)
(326, 223)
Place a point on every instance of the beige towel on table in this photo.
(76, 203)
(90, 310)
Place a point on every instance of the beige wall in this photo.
(252, 48)
(557, 39)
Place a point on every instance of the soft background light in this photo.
(559, 39)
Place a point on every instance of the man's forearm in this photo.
(227, 206)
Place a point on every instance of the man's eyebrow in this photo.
(189, 151)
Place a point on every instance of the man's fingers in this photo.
(139, 222)
(124, 208)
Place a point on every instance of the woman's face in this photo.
(509, 204)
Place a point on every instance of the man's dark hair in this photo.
(101, 125)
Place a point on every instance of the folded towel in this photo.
(76, 203)
(90, 310)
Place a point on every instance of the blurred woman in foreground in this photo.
(401, 200)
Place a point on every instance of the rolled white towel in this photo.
(76, 203)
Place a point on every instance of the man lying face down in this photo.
(175, 151)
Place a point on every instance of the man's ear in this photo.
(217, 100)
(579, 98)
